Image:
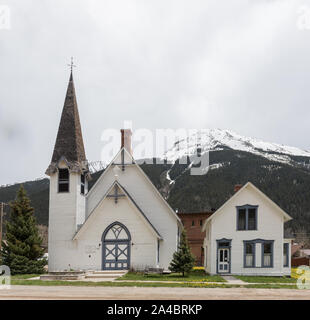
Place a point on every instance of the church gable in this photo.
(117, 194)
(124, 168)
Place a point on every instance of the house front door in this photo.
(223, 260)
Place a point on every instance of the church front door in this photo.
(116, 247)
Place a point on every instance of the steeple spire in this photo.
(69, 144)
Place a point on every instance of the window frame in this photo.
(63, 181)
(286, 248)
(247, 207)
(253, 244)
(83, 184)
(271, 242)
(261, 242)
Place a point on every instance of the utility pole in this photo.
(1, 221)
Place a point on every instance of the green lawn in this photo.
(262, 279)
(272, 286)
(195, 275)
(119, 284)
(145, 284)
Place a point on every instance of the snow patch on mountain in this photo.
(168, 177)
(217, 139)
(218, 165)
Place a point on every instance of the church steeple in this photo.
(69, 144)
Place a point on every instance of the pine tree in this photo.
(182, 260)
(22, 250)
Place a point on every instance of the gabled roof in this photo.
(247, 185)
(129, 197)
(133, 162)
(69, 142)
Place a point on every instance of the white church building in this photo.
(123, 222)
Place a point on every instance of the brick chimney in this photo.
(237, 187)
(126, 140)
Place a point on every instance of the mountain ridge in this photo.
(219, 139)
(284, 178)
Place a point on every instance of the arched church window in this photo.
(116, 232)
(63, 180)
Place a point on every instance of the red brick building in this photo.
(192, 223)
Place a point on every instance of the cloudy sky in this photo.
(239, 65)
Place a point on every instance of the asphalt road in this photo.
(140, 293)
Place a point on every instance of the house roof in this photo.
(295, 247)
(305, 252)
(69, 143)
(129, 197)
(247, 185)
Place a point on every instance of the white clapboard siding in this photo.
(270, 223)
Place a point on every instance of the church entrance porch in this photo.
(116, 247)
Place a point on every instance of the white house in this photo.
(122, 223)
(245, 236)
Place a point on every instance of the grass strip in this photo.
(263, 279)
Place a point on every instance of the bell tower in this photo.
(69, 177)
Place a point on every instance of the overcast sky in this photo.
(237, 64)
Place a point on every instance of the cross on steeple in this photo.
(71, 65)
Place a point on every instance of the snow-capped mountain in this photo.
(217, 139)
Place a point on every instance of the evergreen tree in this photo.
(22, 250)
(182, 260)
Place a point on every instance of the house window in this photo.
(249, 254)
(267, 254)
(193, 223)
(285, 255)
(224, 244)
(200, 222)
(252, 219)
(82, 183)
(242, 219)
(63, 180)
(247, 217)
